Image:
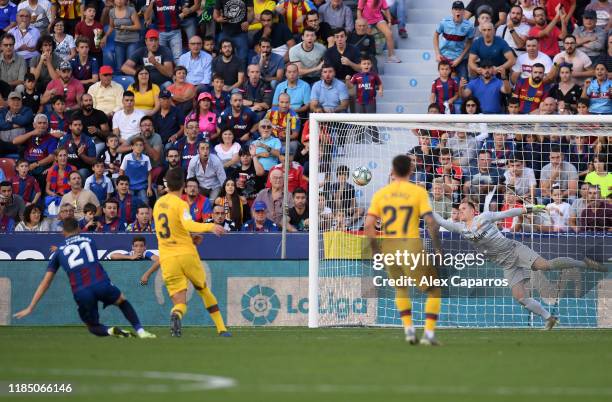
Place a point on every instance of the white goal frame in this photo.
(390, 120)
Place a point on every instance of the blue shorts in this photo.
(87, 300)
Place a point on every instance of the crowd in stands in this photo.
(99, 100)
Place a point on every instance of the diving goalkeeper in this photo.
(514, 257)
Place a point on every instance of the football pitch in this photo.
(299, 364)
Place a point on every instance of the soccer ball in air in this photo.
(362, 176)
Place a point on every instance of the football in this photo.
(362, 176)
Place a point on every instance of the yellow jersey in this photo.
(173, 225)
(400, 205)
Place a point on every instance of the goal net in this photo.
(498, 162)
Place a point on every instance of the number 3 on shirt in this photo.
(163, 229)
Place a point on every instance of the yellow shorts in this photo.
(176, 271)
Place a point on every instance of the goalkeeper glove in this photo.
(535, 209)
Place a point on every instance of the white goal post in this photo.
(353, 140)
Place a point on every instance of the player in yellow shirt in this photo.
(399, 206)
(178, 256)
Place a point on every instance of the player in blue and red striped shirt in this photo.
(25, 185)
(90, 284)
(444, 88)
(367, 85)
(531, 91)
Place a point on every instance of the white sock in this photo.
(535, 307)
(429, 333)
(409, 330)
(140, 331)
(109, 330)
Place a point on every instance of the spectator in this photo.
(425, 156)
(590, 39)
(308, 56)
(451, 174)
(81, 148)
(342, 56)
(515, 31)
(24, 184)
(487, 88)
(259, 7)
(58, 175)
(267, 146)
(137, 166)
(234, 17)
(238, 118)
(146, 94)
(606, 56)
(139, 252)
(66, 211)
(497, 9)
(500, 149)
(440, 203)
(493, 49)
(558, 172)
(580, 62)
(444, 89)
(599, 91)
(566, 90)
(559, 211)
(109, 221)
(547, 106)
(169, 28)
(65, 85)
(89, 222)
(187, 145)
(168, 121)
(329, 95)
(482, 179)
(200, 206)
(40, 11)
(597, 216)
(296, 178)
(198, 63)
(273, 198)
(582, 106)
(181, 92)
(218, 217)
(7, 224)
(156, 59)
(398, 12)
(548, 34)
(78, 196)
(126, 122)
(127, 203)
(45, 64)
(278, 117)
(578, 206)
(232, 202)
(279, 36)
(39, 145)
(229, 66)
(85, 68)
(260, 221)
(58, 119)
(26, 36)
(33, 220)
(601, 177)
(256, 93)
(294, 13)
(91, 29)
(95, 121)
(298, 215)
(377, 13)
(457, 34)
(363, 41)
(12, 65)
(14, 204)
(206, 119)
(15, 120)
(172, 161)
(579, 155)
(65, 47)
(220, 97)
(322, 30)
(106, 94)
(271, 65)
(603, 12)
(297, 89)
(124, 21)
(342, 195)
(470, 105)
(208, 170)
(98, 183)
(531, 91)
(525, 62)
(112, 157)
(250, 176)
(464, 148)
(143, 222)
(227, 150)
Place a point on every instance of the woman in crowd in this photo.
(146, 94)
(65, 47)
(232, 202)
(206, 118)
(33, 220)
(227, 150)
(182, 91)
(566, 90)
(58, 174)
(123, 19)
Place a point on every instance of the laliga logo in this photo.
(260, 305)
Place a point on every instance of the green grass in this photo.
(297, 364)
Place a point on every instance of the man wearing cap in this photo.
(273, 198)
(487, 87)
(209, 171)
(95, 122)
(198, 63)
(165, 14)
(498, 8)
(590, 38)
(603, 10)
(169, 119)
(15, 119)
(106, 93)
(257, 94)
(491, 48)
(26, 36)
(67, 86)
(259, 222)
(457, 36)
(12, 65)
(155, 58)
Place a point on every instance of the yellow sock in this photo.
(404, 306)
(210, 302)
(180, 309)
(432, 309)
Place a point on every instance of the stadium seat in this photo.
(8, 167)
